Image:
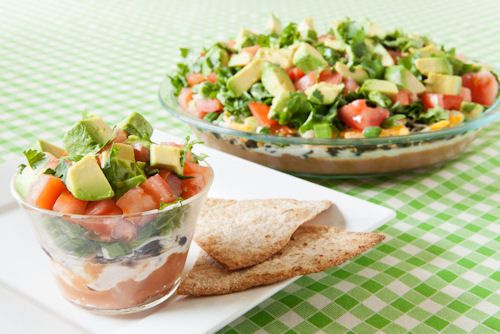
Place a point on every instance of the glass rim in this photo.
(179, 204)
(169, 103)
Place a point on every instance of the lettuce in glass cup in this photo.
(117, 264)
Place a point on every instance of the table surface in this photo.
(438, 269)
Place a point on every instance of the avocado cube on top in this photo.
(135, 124)
(382, 86)
(122, 151)
(169, 157)
(323, 92)
(404, 78)
(51, 148)
(87, 136)
(245, 78)
(308, 59)
(433, 64)
(276, 80)
(443, 84)
(86, 181)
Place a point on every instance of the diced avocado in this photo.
(51, 148)
(443, 84)
(135, 124)
(245, 78)
(433, 64)
(274, 25)
(276, 80)
(335, 44)
(404, 78)
(166, 157)
(240, 59)
(427, 51)
(386, 57)
(281, 57)
(323, 92)
(123, 151)
(243, 36)
(308, 59)
(279, 104)
(87, 136)
(86, 181)
(471, 110)
(382, 86)
(215, 57)
(358, 74)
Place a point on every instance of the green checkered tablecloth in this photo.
(438, 269)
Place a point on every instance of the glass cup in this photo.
(117, 264)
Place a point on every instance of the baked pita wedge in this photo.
(240, 234)
(312, 248)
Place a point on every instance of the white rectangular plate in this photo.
(25, 269)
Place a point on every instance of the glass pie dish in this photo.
(117, 264)
(335, 158)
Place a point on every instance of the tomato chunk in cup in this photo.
(114, 212)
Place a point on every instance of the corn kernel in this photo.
(456, 118)
(439, 125)
(398, 130)
(351, 134)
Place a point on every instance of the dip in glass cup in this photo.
(117, 264)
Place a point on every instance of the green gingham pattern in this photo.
(437, 270)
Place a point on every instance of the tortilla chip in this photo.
(240, 234)
(313, 248)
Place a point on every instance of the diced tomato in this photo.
(141, 152)
(45, 191)
(483, 86)
(204, 107)
(103, 207)
(212, 77)
(121, 136)
(358, 115)
(252, 49)
(191, 186)
(173, 181)
(191, 168)
(198, 176)
(452, 102)
(231, 43)
(466, 94)
(305, 82)
(157, 187)
(295, 73)
(350, 85)
(402, 97)
(195, 78)
(330, 77)
(136, 200)
(260, 111)
(67, 203)
(185, 96)
(282, 130)
(395, 54)
(432, 100)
